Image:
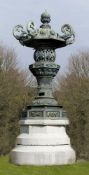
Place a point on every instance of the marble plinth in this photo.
(43, 142)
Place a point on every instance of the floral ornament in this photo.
(69, 34)
(19, 32)
(31, 28)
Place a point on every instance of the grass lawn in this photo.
(7, 168)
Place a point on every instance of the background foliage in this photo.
(73, 93)
(15, 93)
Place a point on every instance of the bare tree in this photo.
(15, 93)
(73, 94)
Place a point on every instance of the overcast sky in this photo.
(73, 12)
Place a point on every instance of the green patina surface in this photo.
(45, 41)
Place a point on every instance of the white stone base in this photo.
(43, 155)
(42, 144)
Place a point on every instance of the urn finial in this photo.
(45, 17)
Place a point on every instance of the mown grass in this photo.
(6, 168)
